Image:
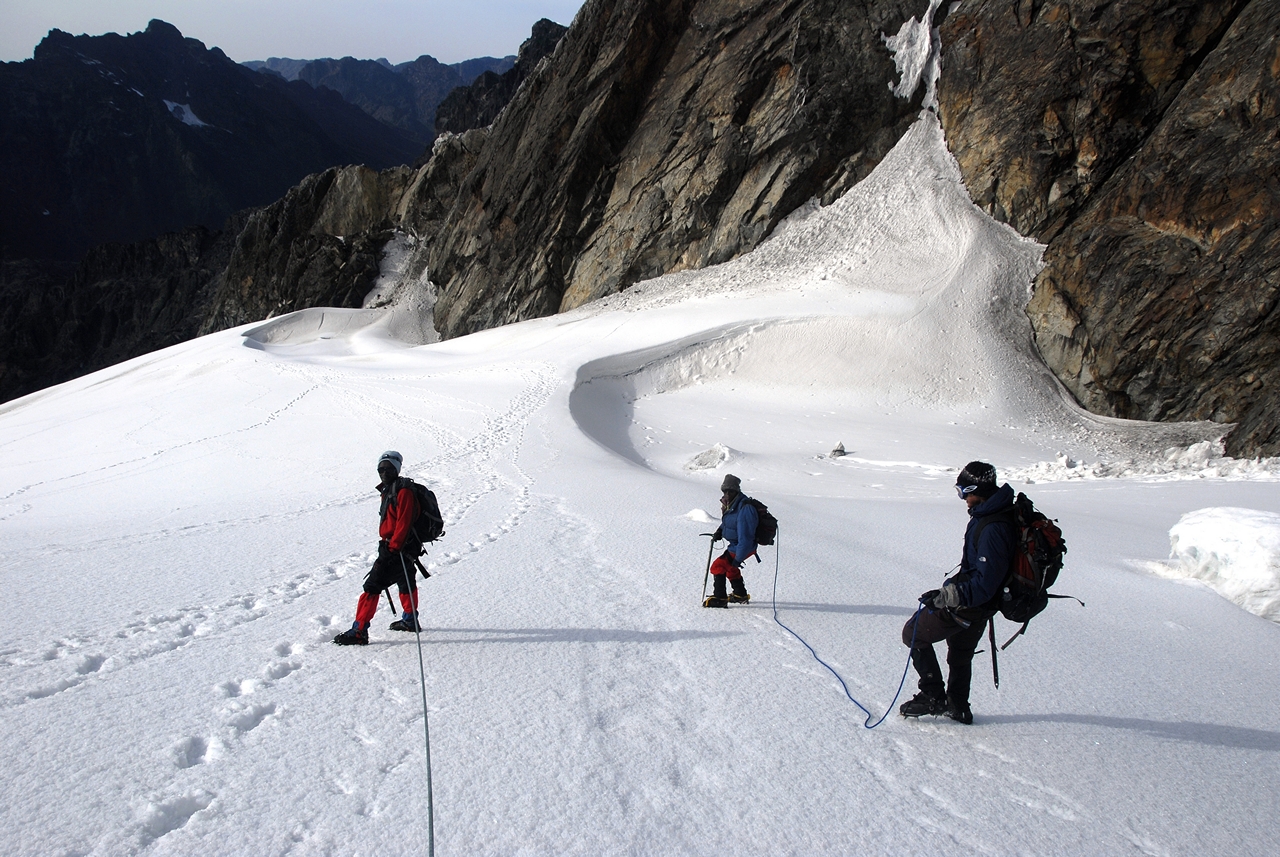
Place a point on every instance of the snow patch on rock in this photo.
(184, 114)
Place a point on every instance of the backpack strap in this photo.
(1008, 642)
(1009, 515)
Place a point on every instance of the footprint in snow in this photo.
(280, 669)
(249, 717)
(158, 818)
(190, 752)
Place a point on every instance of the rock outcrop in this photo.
(663, 135)
(59, 321)
(322, 244)
(1138, 141)
(318, 246)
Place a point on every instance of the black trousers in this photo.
(391, 568)
(931, 626)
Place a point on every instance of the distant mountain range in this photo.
(403, 96)
(121, 138)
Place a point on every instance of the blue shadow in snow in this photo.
(852, 609)
(1209, 734)
(564, 635)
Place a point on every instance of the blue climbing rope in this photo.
(867, 724)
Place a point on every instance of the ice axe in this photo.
(710, 550)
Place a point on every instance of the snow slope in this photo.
(184, 533)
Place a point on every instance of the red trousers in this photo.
(722, 565)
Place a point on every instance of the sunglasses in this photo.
(386, 468)
(963, 491)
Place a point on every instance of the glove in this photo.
(718, 534)
(948, 598)
(927, 598)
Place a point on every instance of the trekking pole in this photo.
(426, 727)
(710, 550)
(991, 635)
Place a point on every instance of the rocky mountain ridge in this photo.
(477, 104)
(404, 96)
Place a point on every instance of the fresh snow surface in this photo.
(185, 532)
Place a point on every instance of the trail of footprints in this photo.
(241, 713)
(244, 704)
(242, 710)
(66, 663)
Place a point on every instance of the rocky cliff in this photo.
(662, 135)
(1138, 140)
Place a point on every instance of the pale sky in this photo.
(400, 30)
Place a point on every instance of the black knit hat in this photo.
(980, 475)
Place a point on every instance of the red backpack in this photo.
(1036, 562)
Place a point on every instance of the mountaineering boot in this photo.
(717, 597)
(356, 635)
(923, 703)
(739, 594)
(407, 622)
(959, 712)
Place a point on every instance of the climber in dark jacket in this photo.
(738, 525)
(397, 513)
(958, 613)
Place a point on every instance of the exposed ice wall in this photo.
(1235, 551)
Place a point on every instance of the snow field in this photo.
(185, 533)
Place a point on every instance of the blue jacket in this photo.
(987, 559)
(738, 526)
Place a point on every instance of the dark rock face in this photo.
(1042, 102)
(662, 135)
(60, 321)
(318, 246)
(118, 139)
(1145, 154)
(321, 244)
(478, 103)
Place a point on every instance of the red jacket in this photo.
(398, 515)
